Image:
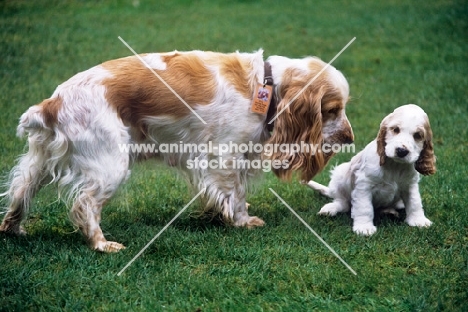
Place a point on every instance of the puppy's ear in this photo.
(381, 143)
(426, 162)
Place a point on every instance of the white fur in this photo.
(363, 184)
(80, 152)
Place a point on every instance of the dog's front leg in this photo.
(226, 190)
(238, 205)
(362, 211)
(414, 209)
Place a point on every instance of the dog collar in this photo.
(268, 80)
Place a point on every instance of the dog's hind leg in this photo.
(324, 190)
(86, 213)
(97, 181)
(335, 207)
(24, 182)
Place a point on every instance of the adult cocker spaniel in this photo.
(204, 98)
(386, 173)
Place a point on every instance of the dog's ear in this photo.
(299, 122)
(381, 143)
(426, 161)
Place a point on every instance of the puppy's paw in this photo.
(419, 221)
(366, 229)
(330, 209)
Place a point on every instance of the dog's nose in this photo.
(348, 140)
(348, 137)
(401, 152)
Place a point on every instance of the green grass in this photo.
(404, 53)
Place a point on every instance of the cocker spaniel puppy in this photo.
(386, 173)
(77, 137)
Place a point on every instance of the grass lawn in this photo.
(404, 53)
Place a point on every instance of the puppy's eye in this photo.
(396, 130)
(417, 136)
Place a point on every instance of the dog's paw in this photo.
(366, 229)
(108, 247)
(330, 209)
(419, 221)
(253, 222)
(10, 228)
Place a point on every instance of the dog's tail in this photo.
(324, 190)
(40, 117)
(47, 143)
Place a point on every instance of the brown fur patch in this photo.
(301, 121)
(381, 143)
(235, 72)
(137, 93)
(50, 109)
(166, 58)
(303, 118)
(426, 162)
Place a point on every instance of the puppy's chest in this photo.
(385, 194)
(387, 191)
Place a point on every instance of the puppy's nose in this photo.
(401, 152)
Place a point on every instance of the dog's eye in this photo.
(396, 130)
(417, 136)
(333, 111)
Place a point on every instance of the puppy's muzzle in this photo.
(401, 152)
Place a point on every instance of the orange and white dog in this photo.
(74, 136)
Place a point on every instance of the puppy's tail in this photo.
(324, 190)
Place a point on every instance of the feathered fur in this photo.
(75, 137)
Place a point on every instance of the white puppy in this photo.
(385, 174)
